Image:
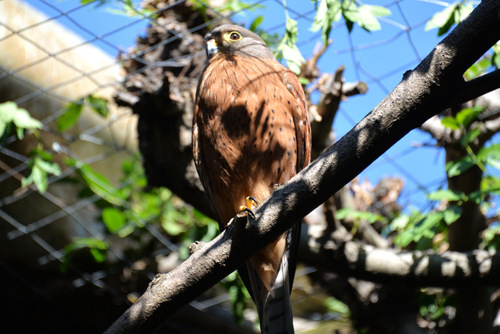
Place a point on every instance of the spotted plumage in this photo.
(250, 132)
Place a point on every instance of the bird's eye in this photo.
(234, 36)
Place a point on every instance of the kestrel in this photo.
(251, 132)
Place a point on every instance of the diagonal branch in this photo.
(435, 84)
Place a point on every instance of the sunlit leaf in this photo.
(446, 194)
(40, 165)
(70, 115)
(256, 23)
(350, 12)
(495, 58)
(454, 168)
(477, 69)
(494, 163)
(10, 112)
(48, 166)
(405, 238)
(99, 184)
(367, 20)
(443, 19)
(450, 123)
(451, 214)
(170, 225)
(489, 152)
(466, 116)
(463, 10)
(114, 219)
(99, 105)
(400, 222)
(469, 136)
(293, 57)
(379, 10)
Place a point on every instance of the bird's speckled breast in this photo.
(248, 129)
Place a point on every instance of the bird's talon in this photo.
(251, 202)
(244, 210)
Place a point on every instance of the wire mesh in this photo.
(52, 58)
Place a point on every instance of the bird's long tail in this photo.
(274, 306)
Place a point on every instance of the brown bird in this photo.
(251, 132)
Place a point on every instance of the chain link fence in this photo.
(51, 57)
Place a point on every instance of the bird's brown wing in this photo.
(300, 119)
(199, 158)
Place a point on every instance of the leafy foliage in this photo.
(40, 165)
(288, 48)
(451, 15)
(72, 111)
(331, 11)
(14, 118)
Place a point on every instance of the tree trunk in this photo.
(474, 311)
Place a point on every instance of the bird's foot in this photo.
(250, 204)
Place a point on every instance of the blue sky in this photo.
(380, 58)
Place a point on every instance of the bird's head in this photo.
(233, 40)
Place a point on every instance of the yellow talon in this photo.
(250, 204)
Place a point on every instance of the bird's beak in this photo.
(212, 48)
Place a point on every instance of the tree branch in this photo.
(434, 85)
(418, 268)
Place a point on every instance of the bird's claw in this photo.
(250, 203)
(245, 211)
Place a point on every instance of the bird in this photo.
(251, 132)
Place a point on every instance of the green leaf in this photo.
(359, 215)
(97, 247)
(489, 152)
(98, 254)
(495, 58)
(99, 184)
(335, 305)
(404, 238)
(114, 219)
(463, 10)
(288, 48)
(40, 178)
(368, 19)
(490, 184)
(22, 119)
(256, 23)
(430, 221)
(293, 57)
(477, 69)
(48, 166)
(450, 123)
(454, 168)
(379, 10)
(469, 136)
(40, 164)
(329, 11)
(291, 31)
(451, 214)
(11, 113)
(443, 19)
(351, 13)
(70, 114)
(446, 194)
(98, 104)
(400, 222)
(170, 225)
(468, 115)
(494, 163)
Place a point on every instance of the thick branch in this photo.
(417, 268)
(433, 86)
